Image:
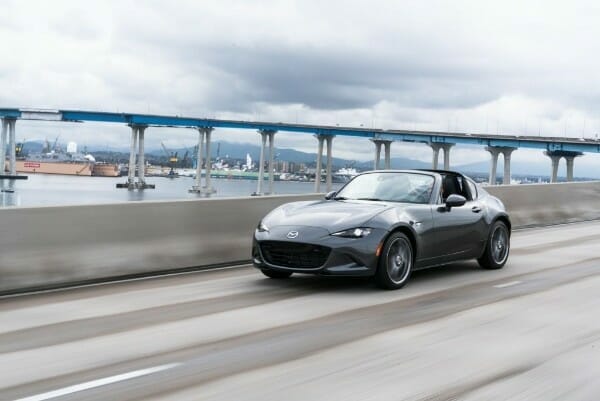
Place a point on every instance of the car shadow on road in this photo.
(311, 283)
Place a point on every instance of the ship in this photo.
(236, 174)
(102, 169)
(56, 161)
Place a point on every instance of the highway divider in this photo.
(45, 247)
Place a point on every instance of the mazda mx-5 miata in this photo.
(385, 224)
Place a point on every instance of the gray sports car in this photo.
(385, 224)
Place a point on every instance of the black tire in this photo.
(497, 247)
(395, 263)
(276, 274)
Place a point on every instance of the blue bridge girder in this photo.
(416, 136)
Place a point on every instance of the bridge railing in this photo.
(47, 246)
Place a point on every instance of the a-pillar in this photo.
(495, 152)
(445, 147)
(555, 156)
(204, 134)
(320, 139)
(329, 167)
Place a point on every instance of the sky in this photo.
(501, 67)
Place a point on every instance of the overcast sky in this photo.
(475, 66)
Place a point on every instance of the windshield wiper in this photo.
(340, 198)
(370, 199)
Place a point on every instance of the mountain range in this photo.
(233, 150)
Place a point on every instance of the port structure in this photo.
(171, 158)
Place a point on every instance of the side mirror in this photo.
(455, 200)
(330, 195)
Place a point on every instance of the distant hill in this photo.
(239, 151)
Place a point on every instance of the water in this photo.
(51, 190)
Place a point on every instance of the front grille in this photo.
(294, 255)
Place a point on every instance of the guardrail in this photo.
(540, 204)
(50, 246)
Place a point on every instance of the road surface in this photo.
(530, 331)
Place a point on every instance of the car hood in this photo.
(330, 215)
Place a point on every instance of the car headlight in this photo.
(262, 228)
(358, 232)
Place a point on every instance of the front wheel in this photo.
(275, 273)
(496, 248)
(396, 262)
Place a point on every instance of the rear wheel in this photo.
(275, 273)
(395, 263)
(497, 247)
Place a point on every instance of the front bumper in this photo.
(345, 256)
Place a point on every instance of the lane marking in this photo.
(509, 284)
(99, 382)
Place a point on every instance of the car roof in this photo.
(418, 170)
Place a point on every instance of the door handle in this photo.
(476, 209)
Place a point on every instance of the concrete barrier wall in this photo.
(44, 246)
(539, 204)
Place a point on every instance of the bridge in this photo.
(555, 148)
(155, 300)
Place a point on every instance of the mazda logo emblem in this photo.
(292, 234)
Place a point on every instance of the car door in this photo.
(457, 230)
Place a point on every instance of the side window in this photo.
(472, 189)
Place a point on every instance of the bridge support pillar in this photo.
(137, 135)
(141, 159)
(387, 154)
(377, 154)
(495, 152)
(3, 144)
(329, 167)
(264, 134)
(506, 177)
(387, 151)
(445, 147)
(204, 134)
(132, 154)
(271, 135)
(9, 129)
(555, 156)
(570, 164)
(318, 168)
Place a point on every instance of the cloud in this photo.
(505, 67)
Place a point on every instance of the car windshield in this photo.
(394, 187)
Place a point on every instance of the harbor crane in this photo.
(171, 157)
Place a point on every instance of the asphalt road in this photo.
(528, 332)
